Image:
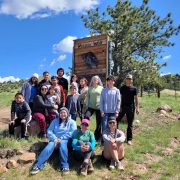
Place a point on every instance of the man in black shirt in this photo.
(62, 81)
(129, 103)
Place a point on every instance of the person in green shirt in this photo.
(83, 144)
(93, 103)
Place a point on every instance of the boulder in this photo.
(3, 153)
(10, 153)
(27, 158)
(37, 147)
(11, 164)
(164, 107)
(3, 169)
(163, 112)
(33, 128)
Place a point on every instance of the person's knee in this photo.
(23, 121)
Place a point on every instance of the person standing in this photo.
(46, 80)
(30, 89)
(62, 81)
(129, 104)
(93, 103)
(109, 102)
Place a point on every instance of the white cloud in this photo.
(56, 60)
(22, 9)
(167, 57)
(163, 74)
(65, 45)
(9, 78)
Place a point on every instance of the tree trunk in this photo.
(158, 92)
(141, 91)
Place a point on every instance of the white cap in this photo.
(35, 75)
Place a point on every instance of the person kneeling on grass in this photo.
(113, 144)
(22, 111)
(59, 133)
(83, 144)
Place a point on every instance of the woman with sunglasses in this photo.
(83, 144)
(113, 144)
(41, 104)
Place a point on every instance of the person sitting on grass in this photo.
(83, 144)
(22, 111)
(59, 133)
(113, 144)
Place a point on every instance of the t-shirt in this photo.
(33, 93)
(127, 95)
(85, 137)
(63, 82)
(52, 99)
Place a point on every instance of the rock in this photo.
(163, 112)
(33, 128)
(27, 158)
(161, 115)
(11, 164)
(19, 152)
(3, 169)
(3, 153)
(37, 147)
(10, 153)
(165, 107)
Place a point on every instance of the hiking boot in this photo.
(65, 171)
(34, 170)
(90, 166)
(84, 168)
(112, 164)
(119, 166)
(129, 142)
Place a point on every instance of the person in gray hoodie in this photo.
(110, 101)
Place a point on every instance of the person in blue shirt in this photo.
(83, 144)
(59, 133)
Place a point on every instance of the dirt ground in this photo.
(4, 117)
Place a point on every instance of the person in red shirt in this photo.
(59, 90)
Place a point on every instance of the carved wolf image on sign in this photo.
(90, 59)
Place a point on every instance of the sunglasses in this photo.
(84, 124)
(44, 89)
(112, 122)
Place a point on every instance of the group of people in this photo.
(55, 111)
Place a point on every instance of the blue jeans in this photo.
(105, 120)
(48, 150)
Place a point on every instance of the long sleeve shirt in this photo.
(118, 136)
(64, 130)
(110, 100)
(73, 104)
(93, 97)
(86, 136)
(20, 110)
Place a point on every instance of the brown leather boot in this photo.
(90, 166)
(84, 168)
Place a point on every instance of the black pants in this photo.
(17, 123)
(88, 114)
(129, 111)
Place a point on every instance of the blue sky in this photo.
(34, 39)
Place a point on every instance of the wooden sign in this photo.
(91, 57)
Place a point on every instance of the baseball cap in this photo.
(129, 76)
(85, 121)
(35, 75)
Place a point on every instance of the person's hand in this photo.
(58, 140)
(112, 140)
(87, 147)
(55, 106)
(12, 122)
(83, 148)
(137, 111)
(116, 115)
(102, 114)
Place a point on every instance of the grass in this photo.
(6, 99)
(152, 137)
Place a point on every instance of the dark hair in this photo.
(73, 75)
(110, 78)
(40, 89)
(30, 81)
(86, 81)
(60, 69)
(54, 77)
(112, 118)
(18, 94)
(45, 72)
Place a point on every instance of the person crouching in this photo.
(113, 144)
(83, 144)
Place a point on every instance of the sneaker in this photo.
(84, 168)
(90, 166)
(65, 170)
(34, 170)
(112, 164)
(129, 142)
(119, 166)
